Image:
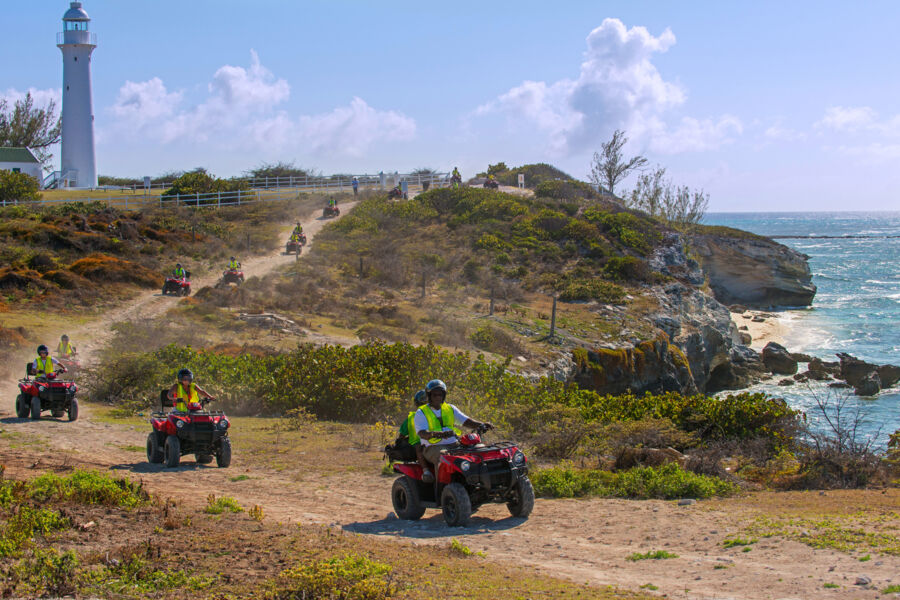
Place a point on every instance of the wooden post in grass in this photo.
(248, 243)
(553, 318)
(361, 271)
(423, 285)
(491, 309)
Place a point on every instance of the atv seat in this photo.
(164, 401)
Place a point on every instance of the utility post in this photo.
(553, 318)
(491, 309)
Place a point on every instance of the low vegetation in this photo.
(72, 255)
(70, 546)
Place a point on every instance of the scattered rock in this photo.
(839, 385)
(778, 360)
(863, 580)
(802, 377)
(738, 308)
(800, 357)
(743, 328)
(889, 374)
(786, 382)
(854, 370)
(686, 502)
(86, 526)
(869, 386)
(758, 319)
(746, 338)
(817, 371)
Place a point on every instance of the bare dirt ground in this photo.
(586, 541)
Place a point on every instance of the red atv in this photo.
(46, 393)
(71, 364)
(292, 247)
(467, 477)
(491, 184)
(395, 193)
(233, 276)
(199, 432)
(331, 211)
(179, 286)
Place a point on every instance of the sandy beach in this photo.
(763, 327)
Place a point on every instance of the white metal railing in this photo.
(214, 199)
(76, 37)
(340, 183)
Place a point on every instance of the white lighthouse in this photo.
(79, 163)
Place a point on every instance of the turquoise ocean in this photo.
(855, 262)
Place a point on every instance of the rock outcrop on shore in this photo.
(752, 270)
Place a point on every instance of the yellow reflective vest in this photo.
(64, 349)
(44, 365)
(447, 420)
(183, 398)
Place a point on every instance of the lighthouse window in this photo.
(76, 59)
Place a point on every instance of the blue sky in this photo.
(766, 105)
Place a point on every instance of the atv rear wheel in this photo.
(73, 410)
(223, 456)
(154, 452)
(522, 501)
(203, 459)
(173, 451)
(405, 497)
(456, 505)
(35, 407)
(22, 406)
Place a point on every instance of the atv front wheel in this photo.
(73, 410)
(35, 407)
(172, 451)
(154, 452)
(456, 504)
(522, 502)
(223, 456)
(405, 497)
(22, 406)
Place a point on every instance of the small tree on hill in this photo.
(648, 193)
(609, 166)
(279, 169)
(683, 207)
(18, 187)
(497, 169)
(26, 126)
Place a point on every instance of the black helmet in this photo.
(64, 338)
(185, 373)
(435, 384)
(420, 398)
(232, 258)
(43, 348)
(177, 264)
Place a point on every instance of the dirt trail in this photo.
(584, 540)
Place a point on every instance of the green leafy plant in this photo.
(457, 547)
(350, 577)
(653, 555)
(216, 506)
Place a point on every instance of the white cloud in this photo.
(777, 132)
(242, 109)
(618, 87)
(848, 118)
(41, 97)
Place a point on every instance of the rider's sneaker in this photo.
(428, 476)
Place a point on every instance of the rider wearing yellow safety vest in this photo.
(437, 424)
(186, 392)
(295, 237)
(45, 364)
(179, 272)
(65, 349)
(408, 429)
(298, 229)
(233, 264)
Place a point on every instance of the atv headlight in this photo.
(179, 424)
(40, 388)
(464, 465)
(223, 424)
(74, 389)
(518, 458)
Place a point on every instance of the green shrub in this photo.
(216, 506)
(565, 190)
(591, 289)
(351, 577)
(136, 576)
(18, 187)
(628, 268)
(49, 572)
(201, 182)
(666, 482)
(24, 524)
(88, 487)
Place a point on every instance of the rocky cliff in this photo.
(698, 348)
(752, 270)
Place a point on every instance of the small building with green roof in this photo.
(20, 160)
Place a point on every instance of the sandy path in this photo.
(771, 329)
(584, 540)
